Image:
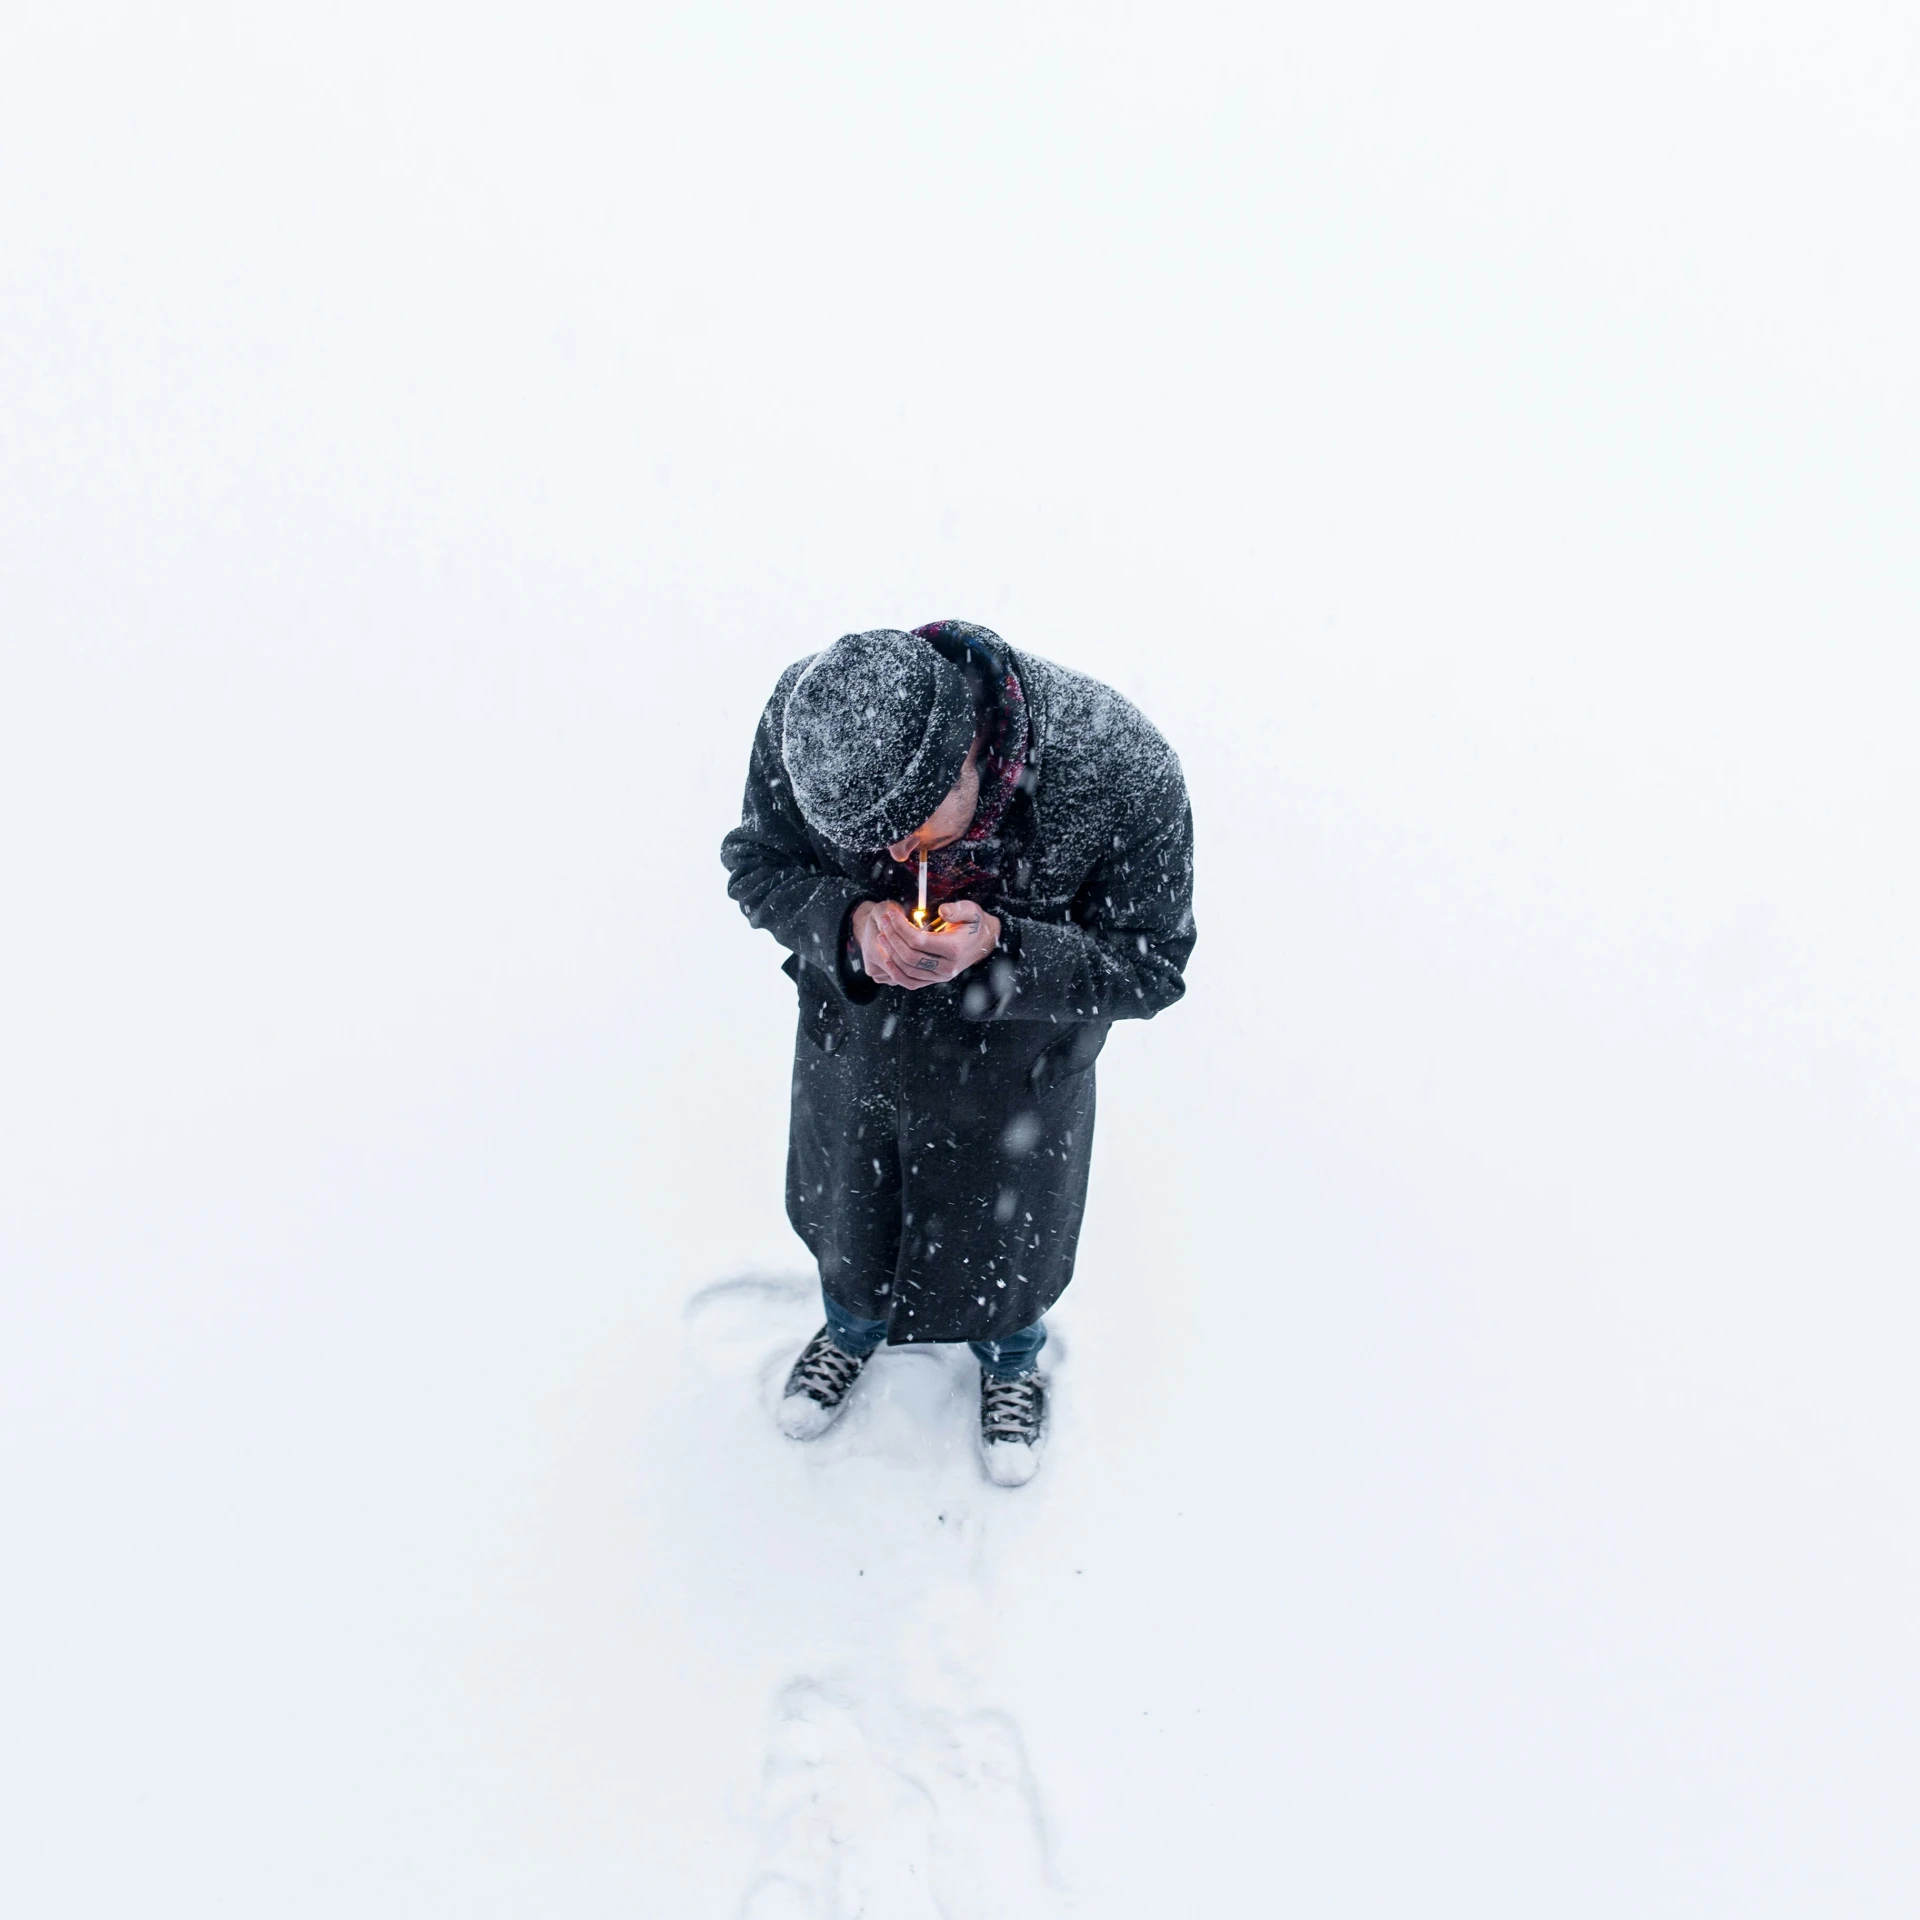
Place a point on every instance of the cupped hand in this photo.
(898, 954)
(881, 927)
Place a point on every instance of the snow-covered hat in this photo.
(877, 731)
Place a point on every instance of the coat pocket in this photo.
(822, 1013)
(1074, 1052)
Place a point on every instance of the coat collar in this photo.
(1036, 685)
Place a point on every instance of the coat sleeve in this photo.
(1122, 951)
(774, 873)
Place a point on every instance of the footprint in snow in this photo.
(875, 1809)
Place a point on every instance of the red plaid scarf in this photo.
(972, 865)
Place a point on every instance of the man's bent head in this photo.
(952, 817)
(879, 743)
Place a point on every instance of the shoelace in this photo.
(1010, 1409)
(823, 1372)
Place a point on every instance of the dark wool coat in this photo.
(937, 1162)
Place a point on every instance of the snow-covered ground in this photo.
(1485, 1459)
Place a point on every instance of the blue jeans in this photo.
(1004, 1359)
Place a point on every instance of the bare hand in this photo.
(881, 927)
(898, 954)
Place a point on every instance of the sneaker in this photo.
(817, 1387)
(1013, 1427)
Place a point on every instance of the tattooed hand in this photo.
(898, 954)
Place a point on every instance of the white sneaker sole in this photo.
(801, 1417)
(1011, 1463)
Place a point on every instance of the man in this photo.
(942, 1117)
